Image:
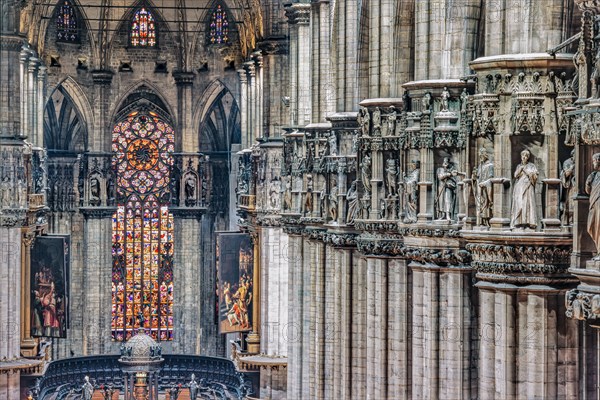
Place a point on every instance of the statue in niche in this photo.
(376, 122)
(274, 193)
(482, 176)
(110, 189)
(308, 199)
(353, 205)
(323, 201)
(595, 77)
(391, 122)
(94, 190)
(190, 190)
(445, 98)
(364, 121)
(523, 213)
(426, 102)
(365, 172)
(287, 194)
(411, 192)
(332, 144)
(569, 189)
(5, 191)
(333, 202)
(592, 187)
(446, 194)
(87, 390)
(391, 173)
(464, 98)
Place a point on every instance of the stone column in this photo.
(246, 143)
(359, 330)
(377, 320)
(343, 342)
(188, 133)
(300, 98)
(41, 103)
(25, 54)
(331, 323)
(399, 330)
(318, 335)
(189, 313)
(97, 280)
(259, 122)
(10, 296)
(251, 110)
(322, 85)
(381, 55)
(32, 86)
(28, 344)
(308, 321)
(293, 332)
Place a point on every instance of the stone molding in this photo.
(98, 212)
(183, 78)
(102, 77)
(298, 13)
(10, 218)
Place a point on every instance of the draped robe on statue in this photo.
(524, 213)
(593, 225)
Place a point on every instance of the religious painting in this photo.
(50, 286)
(235, 269)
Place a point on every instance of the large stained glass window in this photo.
(66, 23)
(142, 275)
(219, 26)
(143, 30)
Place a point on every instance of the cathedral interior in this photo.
(299, 199)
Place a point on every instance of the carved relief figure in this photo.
(353, 205)
(446, 195)
(87, 390)
(333, 202)
(193, 385)
(595, 77)
(332, 144)
(523, 214)
(190, 190)
(323, 201)
(482, 176)
(411, 193)
(391, 121)
(569, 190)
(464, 97)
(592, 187)
(426, 102)
(5, 192)
(364, 120)
(391, 173)
(94, 190)
(365, 172)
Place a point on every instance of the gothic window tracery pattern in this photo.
(142, 274)
(143, 29)
(66, 23)
(219, 26)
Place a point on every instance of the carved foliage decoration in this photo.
(500, 259)
(485, 118)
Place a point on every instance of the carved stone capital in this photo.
(10, 218)
(298, 13)
(98, 212)
(183, 78)
(102, 77)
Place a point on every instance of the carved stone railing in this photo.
(65, 376)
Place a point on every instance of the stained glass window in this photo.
(142, 274)
(143, 30)
(219, 26)
(66, 23)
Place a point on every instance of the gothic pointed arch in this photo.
(144, 97)
(218, 118)
(65, 127)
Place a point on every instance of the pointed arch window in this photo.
(66, 23)
(142, 273)
(219, 26)
(143, 29)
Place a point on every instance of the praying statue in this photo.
(592, 187)
(524, 213)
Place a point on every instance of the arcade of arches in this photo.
(300, 199)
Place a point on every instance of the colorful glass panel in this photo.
(143, 30)
(142, 274)
(219, 27)
(66, 23)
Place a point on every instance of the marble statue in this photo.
(391, 121)
(569, 189)
(94, 188)
(190, 189)
(464, 97)
(445, 97)
(376, 121)
(446, 194)
(352, 202)
(426, 102)
(287, 194)
(87, 390)
(524, 213)
(193, 386)
(391, 173)
(274, 193)
(323, 201)
(332, 144)
(364, 120)
(411, 192)
(592, 187)
(308, 199)
(365, 172)
(333, 202)
(482, 177)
